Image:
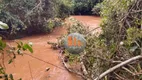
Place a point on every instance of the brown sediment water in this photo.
(34, 68)
(92, 22)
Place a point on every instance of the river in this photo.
(30, 68)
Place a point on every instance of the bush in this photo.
(121, 24)
(31, 16)
(121, 40)
(63, 8)
(122, 36)
(84, 7)
(97, 9)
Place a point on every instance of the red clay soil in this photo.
(29, 68)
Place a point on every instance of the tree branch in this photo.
(118, 66)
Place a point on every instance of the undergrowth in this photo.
(120, 40)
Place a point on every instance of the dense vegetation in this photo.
(32, 16)
(84, 7)
(122, 34)
(119, 42)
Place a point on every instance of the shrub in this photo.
(93, 50)
(121, 40)
(122, 35)
(97, 9)
(63, 8)
(31, 16)
(84, 7)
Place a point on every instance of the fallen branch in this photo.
(89, 32)
(69, 69)
(120, 78)
(118, 66)
(128, 70)
(84, 70)
(83, 66)
(132, 68)
(136, 11)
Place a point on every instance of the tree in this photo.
(31, 16)
(84, 6)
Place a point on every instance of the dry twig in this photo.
(118, 66)
(69, 69)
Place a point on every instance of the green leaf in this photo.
(11, 77)
(18, 45)
(2, 45)
(18, 51)
(26, 46)
(3, 25)
(10, 61)
(2, 70)
(21, 43)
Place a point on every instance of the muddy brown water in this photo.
(29, 68)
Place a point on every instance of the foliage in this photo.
(97, 9)
(84, 7)
(13, 23)
(121, 22)
(93, 51)
(3, 25)
(120, 40)
(12, 52)
(63, 8)
(5, 49)
(29, 16)
(71, 58)
(51, 24)
(76, 27)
